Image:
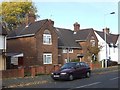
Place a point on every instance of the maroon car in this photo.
(72, 70)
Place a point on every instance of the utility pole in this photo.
(105, 37)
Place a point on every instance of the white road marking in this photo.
(85, 85)
(88, 85)
(114, 78)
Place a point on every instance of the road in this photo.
(103, 80)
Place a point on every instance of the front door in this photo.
(20, 61)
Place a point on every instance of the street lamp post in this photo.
(105, 36)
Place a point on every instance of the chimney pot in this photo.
(106, 30)
(76, 26)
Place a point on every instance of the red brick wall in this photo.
(42, 48)
(27, 46)
(40, 70)
(46, 69)
(13, 73)
(95, 65)
(35, 70)
(84, 48)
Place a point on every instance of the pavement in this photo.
(42, 79)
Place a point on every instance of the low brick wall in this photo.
(35, 70)
(12, 73)
(95, 65)
(46, 69)
(29, 71)
(40, 70)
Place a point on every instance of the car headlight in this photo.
(52, 73)
(63, 73)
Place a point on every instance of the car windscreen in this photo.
(68, 65)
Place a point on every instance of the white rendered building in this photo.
(109, 45)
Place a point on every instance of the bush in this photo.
(75, 60)
(39, 74)
(114, 63)
(27, 74)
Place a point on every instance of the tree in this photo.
(93, 52)
(13, 13)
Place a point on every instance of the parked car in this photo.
(72, 70)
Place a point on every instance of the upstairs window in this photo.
(92, 42)
(47, 39)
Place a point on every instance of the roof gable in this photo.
(66, 38)
(110, 38)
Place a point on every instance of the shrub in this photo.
(27, 74)
(75, 60)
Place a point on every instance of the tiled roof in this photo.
(110, 38)
(83, 34)
(66, 38)
(29, 30)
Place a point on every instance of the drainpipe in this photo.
(68, 53)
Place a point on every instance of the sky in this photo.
(88, 13)
(94, 15)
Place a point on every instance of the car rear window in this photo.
(68, 65)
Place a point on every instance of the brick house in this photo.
(86, 38)
(68, 49)
(75, 42)
(40, 43)
(35, 42)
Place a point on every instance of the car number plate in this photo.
(56, 75)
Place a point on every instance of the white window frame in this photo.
(92, 42)
(47, 39)
(70, 50)
(45, 57)
(14, 60)
(66, 50)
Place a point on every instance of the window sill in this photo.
(47, 43)
(47, 63)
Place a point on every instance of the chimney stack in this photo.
(106, 30)
(30, 18)
(51, 22)
(76, 26)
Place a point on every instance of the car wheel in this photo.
(71, 77)
(88, 74)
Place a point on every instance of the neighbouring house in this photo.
(3, 35)
(109, 43)
(86, 38)
(68, 48)
(74, 43)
